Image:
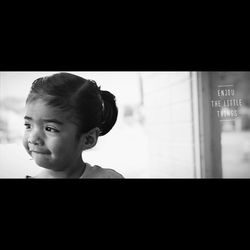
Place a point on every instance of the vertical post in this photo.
(141, 89)
(195, 124)
(210, 129)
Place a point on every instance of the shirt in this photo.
(92, 172)
(99, 172)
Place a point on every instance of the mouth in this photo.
(40, 152)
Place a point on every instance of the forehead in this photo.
(39, 109)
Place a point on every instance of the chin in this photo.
(49, 165)
(44, 163)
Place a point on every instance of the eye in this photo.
(52, 130)
(27, 125)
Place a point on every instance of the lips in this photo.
(40, 152)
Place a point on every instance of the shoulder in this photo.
(99, 172)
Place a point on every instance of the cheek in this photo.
(57, 147)
(63, 149)
(25, 143)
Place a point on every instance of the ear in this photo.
(90, 138)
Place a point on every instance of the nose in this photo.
(35, 137)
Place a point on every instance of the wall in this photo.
(169, 124)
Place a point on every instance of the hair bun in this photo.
(110, 112)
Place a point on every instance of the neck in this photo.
(73, 172)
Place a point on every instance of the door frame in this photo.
(209, 128)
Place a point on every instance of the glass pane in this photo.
(232, 105)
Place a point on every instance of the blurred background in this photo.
(166, 127)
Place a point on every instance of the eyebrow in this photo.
(46, 120)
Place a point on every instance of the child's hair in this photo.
(89, 105)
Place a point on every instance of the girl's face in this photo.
(50, 137)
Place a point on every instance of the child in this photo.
(65, 114)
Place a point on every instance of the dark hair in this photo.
(89, 105)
